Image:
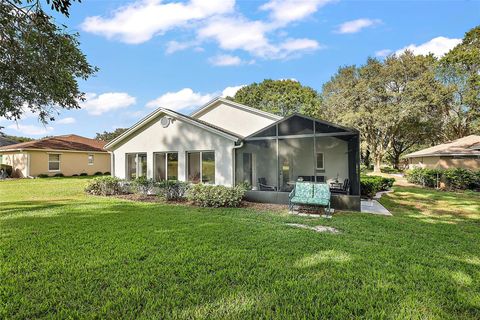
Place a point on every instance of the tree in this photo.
(281, 97)
(109, 136)
(40, 62)
(16, 138)
(394, 103)
(459, 69)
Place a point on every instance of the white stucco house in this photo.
(227, 143)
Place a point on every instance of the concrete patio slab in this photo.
(374, 207)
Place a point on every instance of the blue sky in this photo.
(179, 55)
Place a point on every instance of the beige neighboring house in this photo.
(68, 154)
(460, 153)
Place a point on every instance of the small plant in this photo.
(43, 175)
(58, 175)
(143, 185)
(107, 173)
(215, 196)
(172, 190)
(75, 175)
(105, 186)
(83, 174)
(98, 173)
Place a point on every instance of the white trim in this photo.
(165, 153)
(172, 114)
(200, 152)
(88, 159)
(203, 109)
(59, 162)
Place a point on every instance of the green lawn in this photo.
(67, 255)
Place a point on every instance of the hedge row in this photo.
(200, 194)
(451, 179)
(370, 185)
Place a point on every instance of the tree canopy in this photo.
(281, 97)
(40, 62)
(109, 136)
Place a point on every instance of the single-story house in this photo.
(227, 143)
(460, 153)
(68, 154)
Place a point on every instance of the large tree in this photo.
(40, 61)
(394, 103)
(109, 136)
(281, 97)
(459, 69)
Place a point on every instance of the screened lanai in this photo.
(299, 148)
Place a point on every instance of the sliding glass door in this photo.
(201, 167)
(165, 166)
(136, 165)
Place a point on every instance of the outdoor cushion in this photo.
(321, 190)
(303, 190)
(310, 193)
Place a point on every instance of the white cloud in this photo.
(106, 102)
(383, 52)
(438, 46)
(140, 21)
(31, 129)
(285, 11)
(230, 91)
(225, 60)
(174, 46)
(68, 120)
(183, 99)
(355, 26)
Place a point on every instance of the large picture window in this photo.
(136, 165)
(53, 162)
(201, 167)
(166, 166)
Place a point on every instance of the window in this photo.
(320, 163)
(166, 166)
(136, 165)
(90, 159)
(201, 167)
(53, 162)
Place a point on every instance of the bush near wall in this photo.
(172, 190)
(215, 196)
(451, 179)
(144, 186)
(105, 186)
(370, 185)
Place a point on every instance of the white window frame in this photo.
(59, 162)
(137, 163)
(323, 161)
(165, 164)
(93, 159)
(201, 169)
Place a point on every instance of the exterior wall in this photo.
(18, 161)
(178, 137)
(234, 119)
(70, 163)
(444, 163)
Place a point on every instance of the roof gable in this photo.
(155, 116)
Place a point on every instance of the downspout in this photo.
(234, 163)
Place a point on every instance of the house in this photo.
(227, 143)
(68, 154)
(460, 153)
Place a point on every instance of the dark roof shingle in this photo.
(68, 142)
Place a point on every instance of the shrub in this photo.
(453, 179)
(43, 175)
(105, 186)
(58, 175)
(142, 185)
(370, 185)
(98, 173)
(172, 190)
(75, 175)
(83, 174)
(389, 170)
(215, 196)
(6, 169)
(107, 173)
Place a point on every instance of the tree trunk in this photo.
(396, 160)
(377, 164)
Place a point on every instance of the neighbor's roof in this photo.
(6, 142)
(196, 122)
(468, 145)
(69, 142)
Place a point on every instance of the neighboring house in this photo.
(69, 155)
(460, 153)
(227, 143)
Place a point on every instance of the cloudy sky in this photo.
(181, 54)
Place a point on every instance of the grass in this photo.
(67, 255)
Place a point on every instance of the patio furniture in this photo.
(312, 178)
(310, 193)
(263, 186)
(340, 188)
